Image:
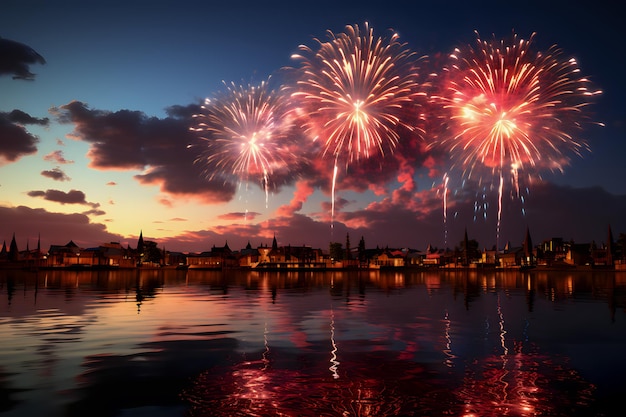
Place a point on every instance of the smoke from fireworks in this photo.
(513, 110)
(247, 133)
(354, 92)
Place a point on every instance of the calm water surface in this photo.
(235, 343)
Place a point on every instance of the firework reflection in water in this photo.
(512, 111)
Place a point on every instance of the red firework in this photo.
(513, 108)
(354, 93)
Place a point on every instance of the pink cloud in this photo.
(239, 216)
(57, 157)
(165, 202)
(302, 192)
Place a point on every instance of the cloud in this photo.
(23, 118)
(29, 224)
(166, 202)
(71, 197)
(549, 211)
(195, 241)
(130, 140)
(57, 156)
(303, 230)
(302, 192)
(15, 140)
(247, 216)
(94, 212)
(579, 214)
(56, 174)
(17, 59)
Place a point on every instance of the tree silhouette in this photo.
(151, 252)
(335, 250)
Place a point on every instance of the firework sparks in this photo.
(513, 110)
(355, 92)
(246, 130)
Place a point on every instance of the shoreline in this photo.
(320, 268)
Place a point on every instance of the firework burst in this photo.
(246, 133)
(513, 111)
(356, 92)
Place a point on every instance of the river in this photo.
(359, 343)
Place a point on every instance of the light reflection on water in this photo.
(235, 343)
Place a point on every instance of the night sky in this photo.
(95, 126)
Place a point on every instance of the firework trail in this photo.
(513, 110)
(445, 207)
(246, 132)
(356, 92)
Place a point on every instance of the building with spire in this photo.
(527, 247)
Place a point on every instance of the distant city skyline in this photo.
(95, 125)
(355, 241)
